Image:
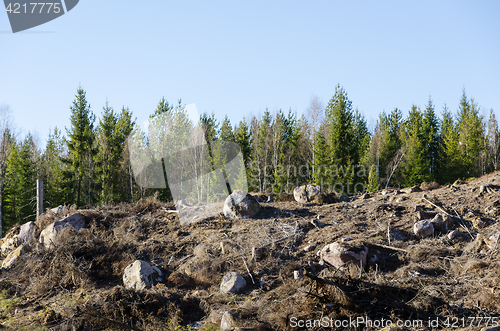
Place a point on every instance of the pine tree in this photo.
(81, 149)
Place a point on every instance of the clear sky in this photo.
(239, 57)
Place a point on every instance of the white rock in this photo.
(423, 229)
(50, 235)
(57, 210)
(140, 275)
(232, 282)
(26, 232)
(241, 205)
(338, 254)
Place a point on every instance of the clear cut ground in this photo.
(78, 285)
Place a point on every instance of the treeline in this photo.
(330, 146)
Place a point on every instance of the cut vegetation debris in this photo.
(337, 259)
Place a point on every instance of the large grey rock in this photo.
(306, 193)
(232, 282)
(140, 275)
(423, 229)
(26, 232)
(338, 254)
(241, 205)
(51, 235)
(442, 222)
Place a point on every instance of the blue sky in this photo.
(239, 57)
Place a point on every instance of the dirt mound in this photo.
(78, 284)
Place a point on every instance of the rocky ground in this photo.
(281, 271)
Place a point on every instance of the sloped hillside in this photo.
(445, 279)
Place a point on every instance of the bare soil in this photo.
(78, 285)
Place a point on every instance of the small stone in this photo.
(442, 222)
(309, 248)
(227, 322)
(232, 282)
(13, 256)
(140, 275)
(455, 234)
(297, 274)
(423, 229)
(346, 239)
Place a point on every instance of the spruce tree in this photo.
(430, 128)
(81, 149)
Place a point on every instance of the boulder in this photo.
(57, 210)
(423, 229)
(140, 275)
(12, 257)
(241, 205)
(232, 282)
(442, 222)
(26, 232)
(306, 193)
(52, 233)
(338, 254)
